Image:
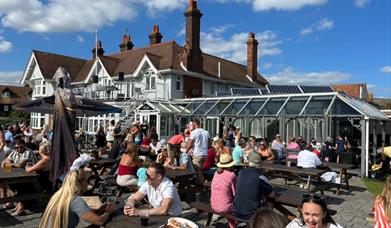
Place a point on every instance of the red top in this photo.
(210, 161)
(127, 170)
(176, 139)
(317, 152)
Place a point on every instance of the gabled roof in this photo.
(163, 56)
(19, 91)
(49, 62)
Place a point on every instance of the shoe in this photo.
(18, 212)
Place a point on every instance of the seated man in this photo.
(161, 193)
(20, 155)
(307, 159)
(252, 189)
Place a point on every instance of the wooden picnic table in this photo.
(342, 169)
(183, 178)
(120, 220)
(99, 166)
(293, 172)
(20, 176)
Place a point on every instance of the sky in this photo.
(305, 42)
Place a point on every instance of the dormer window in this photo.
(6, 94)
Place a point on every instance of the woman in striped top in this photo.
(383, 207)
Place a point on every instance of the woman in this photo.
(66, 207)
(2, 144)
(267, 218)
(221, 148)
(100, 141)
(383, 207)
(127, 169)
(313, 213)
(110, 135)
(293, 144)
(181, 160)
(328, 152)
(223, 187)
(265, 152)
(279, 146)
(238, 135)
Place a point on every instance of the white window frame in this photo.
(39, 87)
(6, 94)
(6, 108)
(178, 83)
(150, 80)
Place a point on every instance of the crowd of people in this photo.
(231, 163)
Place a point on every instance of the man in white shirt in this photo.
(199, 142)
(307, 159)
(161, 192)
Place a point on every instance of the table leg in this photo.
(308, 182)
(346, 177)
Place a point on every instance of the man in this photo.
(9, 135)
(238, 152)
(161, 192)
(308, 159)
(20, 156)
(252, 189)
(199, 142)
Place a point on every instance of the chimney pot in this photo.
(98, 49)
(126, 43)
(155, 37)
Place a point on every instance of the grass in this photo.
(374, 186)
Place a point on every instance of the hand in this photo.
(131, 211)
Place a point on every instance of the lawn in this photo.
(374, 186)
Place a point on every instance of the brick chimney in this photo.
(193, 28)
(126, 43)
(100, 51)
(252, 56)
(155, 37)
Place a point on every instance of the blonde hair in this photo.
(43, 149)
(57, 209)
(386, 196)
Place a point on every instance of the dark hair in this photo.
(317, 199)
(112, 122)
(196, 121)
(159, 168)
(267, 218)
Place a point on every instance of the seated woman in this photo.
(265, 152)
(66, 207)
(165, 157)
(181, 161)
(313, 213)
(267, 218)
(128, 166)
(222, 148)
(223, 187)
(383, 206)
(209, 167)
(293, 144)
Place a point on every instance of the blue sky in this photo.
(318, 42)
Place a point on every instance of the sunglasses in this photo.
(18, 147)
(314, 197)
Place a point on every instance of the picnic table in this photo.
(99, 166)
(183, 178)
(119, 219)
(294, 173)
(20, 176)
(342, 169)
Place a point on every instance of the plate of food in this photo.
(177, 222)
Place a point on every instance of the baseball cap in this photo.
(254, 158)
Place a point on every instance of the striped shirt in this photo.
(380, 216)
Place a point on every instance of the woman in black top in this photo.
(100, 141)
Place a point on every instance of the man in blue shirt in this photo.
(252, 189)
(237, 153)
(9, 136)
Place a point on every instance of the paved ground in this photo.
(352, 209)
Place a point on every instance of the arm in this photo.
(21, 164)
(271, 155)
(96, 219)
(189, 146)
(161, 210)
(135, 197)
(41, 164)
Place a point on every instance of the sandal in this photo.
(18, 212)
(8, 206)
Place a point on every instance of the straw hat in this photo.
(226, 161)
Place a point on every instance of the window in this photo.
(213, 88)
(150, 81)
(6, 108)
(39, 88)
(6, 94)
(178, 84)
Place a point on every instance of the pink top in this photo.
(293, 145)
(223, 191)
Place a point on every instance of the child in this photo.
(142, 172)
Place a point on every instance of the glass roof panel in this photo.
(204, 107)
(234, 107)
(252, 107)
(341, 108)
(272, 106)
(317, 106)
(294, 106)
(219, 107)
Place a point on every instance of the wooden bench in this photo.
(121, 189)
(203, 207)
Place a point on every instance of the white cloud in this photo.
(79, 39)
(289, 76)
(182, 32)
(386, 69)
(5, 45)
(267, 65)
(264, 5)
(75, 15)
(361, 3)
(10, 77)
(322, 25)
(306, 31)
(325, 24)
(221, 28)
(235, 49)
